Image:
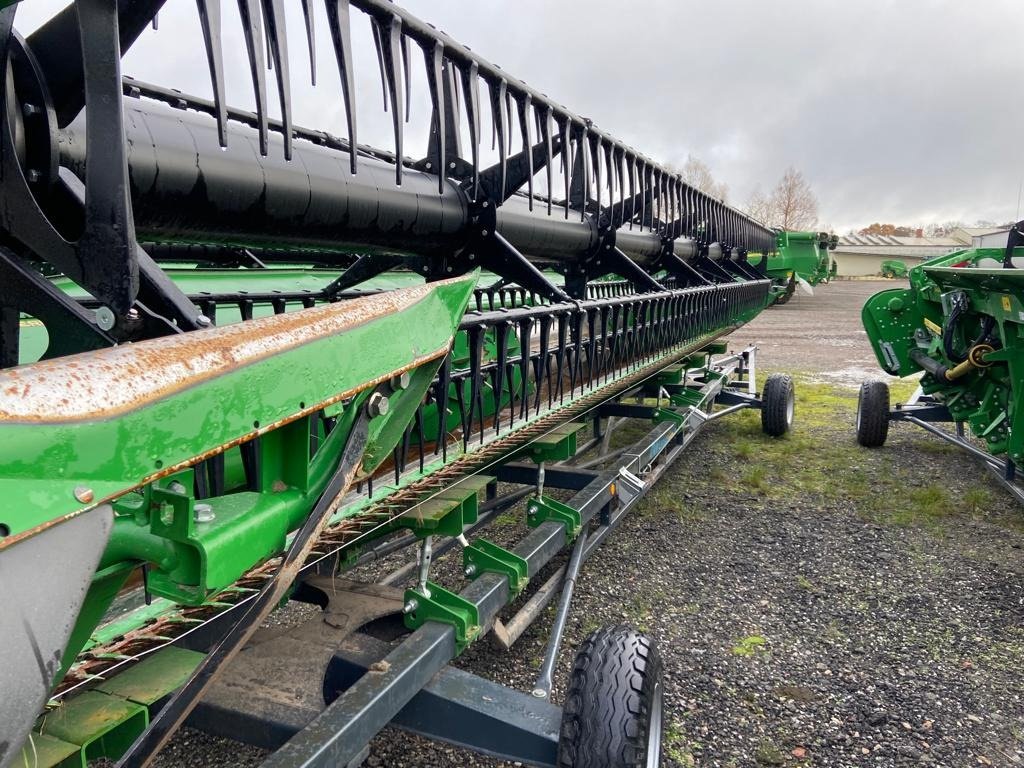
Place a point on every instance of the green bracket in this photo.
(667, 414)
(447, 608)
(483, 556)
(542, 509)
(672, 375)
(447, 512)
(686, 398)
(557, 445)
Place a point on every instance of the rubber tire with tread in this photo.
(609, 705)
(873, 414)
(777, 405)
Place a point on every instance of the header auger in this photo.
(239, 356)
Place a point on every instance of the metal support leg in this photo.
(542, 688)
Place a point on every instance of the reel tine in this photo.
(525, 128)
(631, 172)
(307, 18)
(390, 42)
(433, 57)
(252, 29)
(277, 34)
(471, 91)
(404, 41)
(209, 20)
(544, 121)
(341, 36)
(563, 132)
(499, 94)
(378, 46)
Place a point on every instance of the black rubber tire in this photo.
(612, 716)
(873, 414)
(777, 405)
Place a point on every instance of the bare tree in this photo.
(791, 205)
(697, 174)
(759, 205)
(794, 203)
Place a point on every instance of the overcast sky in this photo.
(896, 111)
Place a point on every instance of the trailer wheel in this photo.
(612, 716)
(873, 414)
(777, 404)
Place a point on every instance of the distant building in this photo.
(858, 255)
(981, 237)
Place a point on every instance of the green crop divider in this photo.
(447, 608)
(542, 509)
(486, 557)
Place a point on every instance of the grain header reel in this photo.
(239, 357)
(958, 324)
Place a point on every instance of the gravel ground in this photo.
(815, 603)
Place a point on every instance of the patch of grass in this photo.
(676, 746)
(754, 479)
(804, 583)
(749, 646)
(977, 500)
(920, 506)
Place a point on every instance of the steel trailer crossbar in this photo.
(410, 676)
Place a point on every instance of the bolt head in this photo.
(105, 318)
(378, 405)
(176, 487)
(84, 494)
(401, 381)
(410, 606)
(203, 512)
(470, 570)
(203, 321)
(539, 693)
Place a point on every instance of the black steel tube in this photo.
(542, 688)
(186, 188)
(930, 364)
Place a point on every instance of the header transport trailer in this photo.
(240, 359)
(959, 326)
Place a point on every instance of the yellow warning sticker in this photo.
(1006, 303)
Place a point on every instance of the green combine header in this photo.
(801, 259)
(242, 358)
(958, 325)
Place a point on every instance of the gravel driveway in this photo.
(816, 604)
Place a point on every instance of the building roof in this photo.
(966, 234)
(890, 246)
(892, 241)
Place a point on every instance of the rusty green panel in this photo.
(101, 725)
(130, 414)
(154, 677)
(45, 751)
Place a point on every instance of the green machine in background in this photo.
(894, 269)
(960, 324)
(801, 259)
